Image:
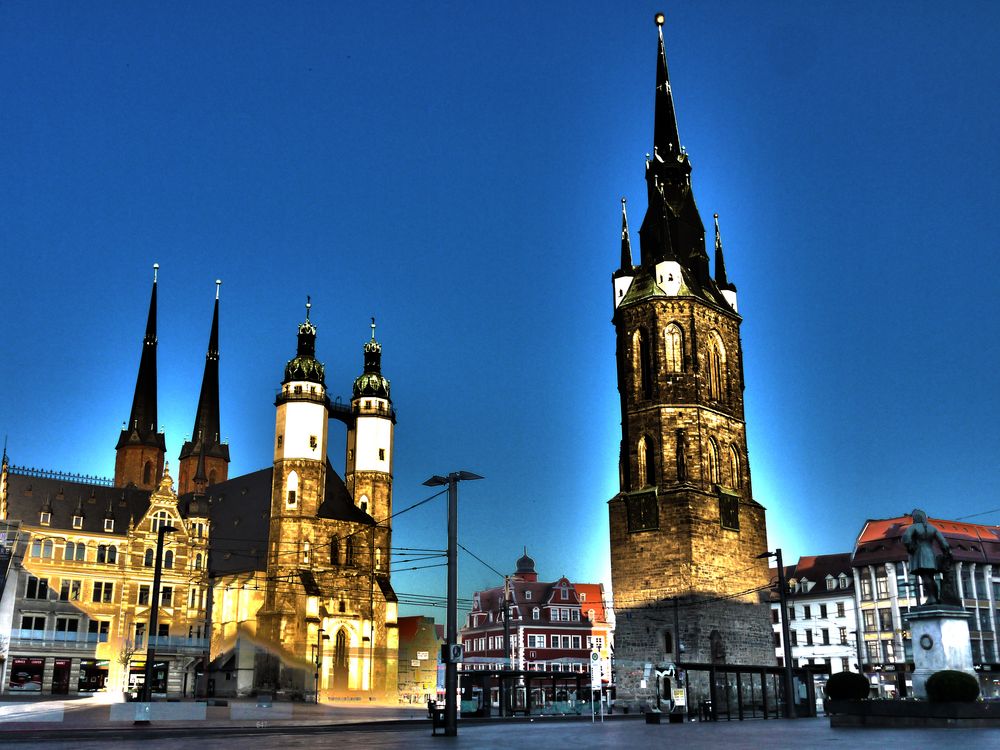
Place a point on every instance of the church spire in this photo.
(666, 140)
(205, 446)
(626, 244)
(720, 262)
(141, 447)
(143, 414)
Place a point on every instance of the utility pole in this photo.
(785, 638)
(451, 635)
(154, 611)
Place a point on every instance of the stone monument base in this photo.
(940, 636)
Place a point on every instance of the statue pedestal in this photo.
(940, 636)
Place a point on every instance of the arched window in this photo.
(81, 551)
(378, 559)
(168, 559)
(591, 615)
(147, 559)
(647, 462)
(102, 553)
(713, 462)
(349, 551)
(48, 548)
(292, 488)
(197, 561)
(642, 363)
(305, 553)
(673, 339)
(668, 642)
(160, 519)
(734, 467)
(112, 554)
(70, 551)
(535, 612)
(363, 504)
(147, 473)
(716, 366)
(334, 551)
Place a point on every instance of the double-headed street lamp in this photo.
(785, 638)
(154, 611)
(451, 636)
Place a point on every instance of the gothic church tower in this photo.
(141, 447)
(685, 529)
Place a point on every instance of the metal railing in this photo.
(61, 476)
(41, 638)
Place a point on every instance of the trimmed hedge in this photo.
(847, 686)
(952, 686)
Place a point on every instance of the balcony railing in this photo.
(41, 639)
(62, 476)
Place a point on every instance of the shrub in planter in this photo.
(846, 686)
(950, 685)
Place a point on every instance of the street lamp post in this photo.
(451, 636)
(320, 637)
(154, 611)
(785, 638)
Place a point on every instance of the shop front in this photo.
(93, 675)
(26, 673)
(61, 671)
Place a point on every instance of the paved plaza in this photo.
(86, 725)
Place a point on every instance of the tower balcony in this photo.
(348, 413)
(298, 393)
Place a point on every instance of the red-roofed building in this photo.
(885, 594)
(554, 626)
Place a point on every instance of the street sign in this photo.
(595, 656)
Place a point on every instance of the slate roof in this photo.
(240, 512)
(27, 494)
(881, 541)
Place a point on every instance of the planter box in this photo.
(906, 714)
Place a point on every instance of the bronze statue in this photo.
(919, 541)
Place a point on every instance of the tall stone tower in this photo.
(141, 447)
(685, 529)
(329, 615)
(204, 459)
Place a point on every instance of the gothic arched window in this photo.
(292, 488)
(647, 462)
(713, 462)
(147, 473)
(673, 339)
(734, 467)
(349, 551)
(334, 551)
(716, 366)
(642, 363)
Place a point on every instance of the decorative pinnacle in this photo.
(373, 328)
(218, 283)
(156, 268)
(308, 306)
(659, 19)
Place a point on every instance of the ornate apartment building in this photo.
(78, 594)
(686, 531)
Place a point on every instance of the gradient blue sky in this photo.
(455, 169)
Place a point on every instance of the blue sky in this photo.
(455, 170)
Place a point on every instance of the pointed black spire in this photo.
(206, 433)
(720, 262)
(626, 244)
(142, 422)
(666, 140)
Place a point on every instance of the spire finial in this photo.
(308, 306)
(218, 283)
(373, 327)
(156, 269)
(659, 18)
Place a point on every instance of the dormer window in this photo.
(44, 518)
(844, 581)
(527, 594)
(563, 593)
(109, 524)
(77, 522)
(830, 583)
(583, 597)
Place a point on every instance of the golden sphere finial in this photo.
(659, 18)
